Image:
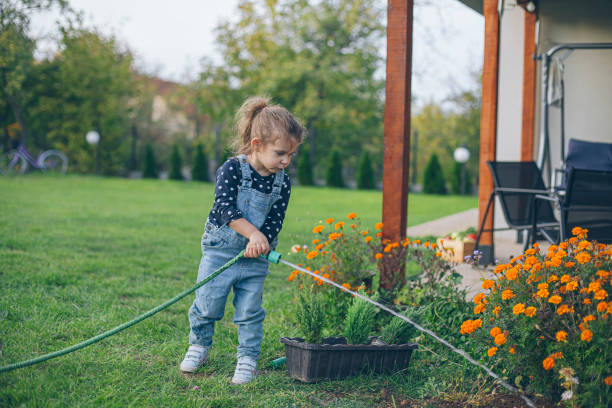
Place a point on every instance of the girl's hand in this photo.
(258, 244)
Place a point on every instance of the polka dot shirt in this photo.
(224, 210)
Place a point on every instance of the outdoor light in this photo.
(461, 154)
(92, 137)
(530, 7)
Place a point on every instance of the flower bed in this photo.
(545, 321)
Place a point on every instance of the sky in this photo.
(169, 39)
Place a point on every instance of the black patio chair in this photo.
(583, 154)
(516, 184)
(587, 203)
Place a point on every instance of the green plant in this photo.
(333, 177)
(310, 315)
(433, 179)
(199, 170)
(150, 165)
(359, 321)
(176, 164)
(397, 331)
(365, 173)
(456, 179)
(304, 168)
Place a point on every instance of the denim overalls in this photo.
(219, 245)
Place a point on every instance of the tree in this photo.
(176, 164)
(365, 173)
(150, 165)
(433, 180)
(456, 179)
(304, 168)
(199, 170)
(334, 170)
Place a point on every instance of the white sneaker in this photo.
(246, 369)
(195, 358)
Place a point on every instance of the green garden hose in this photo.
(272, 256)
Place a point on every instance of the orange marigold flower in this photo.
(594, 286)
(507, 294)
(563, 245)
(530, 311)
(511, 350)
(495, 331)
(368, 239)
(602, 274)
(426, 244)
(548, 363)
(488, 284)
(333, 236)
(583, 257)
(553, 278)
(543, 293)
(378, 255)
(587, 301)
(569, 264)
(512, 274)
(438, 254)
(497, 310)
(329, 220)
(491, 352)
(589, 318)
(318, 229)
(561, 335)
(530, 251)
(364, 233)
(416, 241)
(577, 231)
(573, 240)
(563, 309)
(293, 275)
(500, 339)
(312, 254)
(586, 335)
(601, 306)
(573, 285)
(479, 297)
(542, 286)
(378, 225)
(351, 216)
(319, 247)
(469, 326)
(555, 299)
(346, 285)
(326, 275)
(479, 308)
(600, 294)
(518, 308)
(379, 234)
(565, 278)
(339, 225)
(315, 241)
(583, 245)
(608, 380)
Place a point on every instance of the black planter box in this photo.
(334, 359)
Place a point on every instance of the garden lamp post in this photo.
(461, 155)
(93, 138)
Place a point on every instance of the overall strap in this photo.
(278, 182)
(246, 171)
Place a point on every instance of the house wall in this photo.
(588, 74)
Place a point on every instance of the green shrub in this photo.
(397, 331)
(150, 165)
(310, 315)
(334, 170)
(359, 321)
(176, 164)
(199, 170)
(433, 179)
(365, 173)
(304, 168)
(456, 180)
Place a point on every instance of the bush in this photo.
(359, 321)
(397, 331)
(310, 315)
(433, 179)
(365, 174)
(176, 164)
(199, 170)
(304, 169)
(456, 180)
(333, 177)
(150, 166)
(546, 320)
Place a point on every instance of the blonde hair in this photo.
(257, 118)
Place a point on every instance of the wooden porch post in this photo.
(529, 72)
(397, 133)
(488, 124)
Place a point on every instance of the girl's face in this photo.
(274, 156)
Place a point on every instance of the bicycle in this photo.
(17, 161)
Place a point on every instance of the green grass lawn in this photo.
(80, 255)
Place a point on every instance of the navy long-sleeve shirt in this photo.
(224, 209)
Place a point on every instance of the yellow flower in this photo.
(318, 229)
(329, 220)
(555, 299)
(495, 331)
(378, 225)
(500, 339)
(507, 294)
(518, 308)
(491, 352)
(351, 216)
(548, 363)
(530, 311)
(586, 335)
(561, 335)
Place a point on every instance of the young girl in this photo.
(251, 197)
